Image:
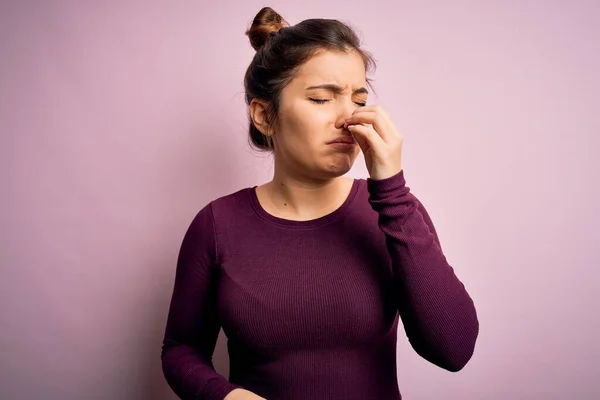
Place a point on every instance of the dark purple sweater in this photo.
(310, 308)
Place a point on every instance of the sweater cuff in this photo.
(384, 187)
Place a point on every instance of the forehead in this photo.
(343, 68)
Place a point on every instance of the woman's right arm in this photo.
(192, 325)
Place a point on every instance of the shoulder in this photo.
(232, 201)
(226, 211)
(362, 187)
(221, 204)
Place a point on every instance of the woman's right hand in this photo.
(242, 394)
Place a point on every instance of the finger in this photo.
(377, 109)
(367, 138)
(380, 124)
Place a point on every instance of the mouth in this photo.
(348, 140)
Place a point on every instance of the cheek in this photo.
(319, 122)
(310, 124)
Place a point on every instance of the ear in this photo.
(258, 113)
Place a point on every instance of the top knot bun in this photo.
(267, 21)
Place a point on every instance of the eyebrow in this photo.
(337, 88)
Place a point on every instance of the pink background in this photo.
(120, 121)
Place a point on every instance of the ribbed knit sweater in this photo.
(311, 308)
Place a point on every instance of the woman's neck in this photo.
(294, 199)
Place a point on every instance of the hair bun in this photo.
(266, 23)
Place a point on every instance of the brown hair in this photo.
(280, 50)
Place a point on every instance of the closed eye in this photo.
(323, 101)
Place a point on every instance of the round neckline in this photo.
(311, 223)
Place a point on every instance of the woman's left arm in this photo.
(438, 314)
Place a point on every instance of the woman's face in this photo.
(313, 108)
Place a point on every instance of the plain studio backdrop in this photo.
(120, 120)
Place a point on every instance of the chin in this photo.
(338, 169)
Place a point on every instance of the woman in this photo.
(308, 273)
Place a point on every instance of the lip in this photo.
(348, 140)
(343, 146)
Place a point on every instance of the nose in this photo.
(345, 111)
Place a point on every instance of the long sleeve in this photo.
(438, 314)
(192, 324)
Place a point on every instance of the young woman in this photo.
(309, 273)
